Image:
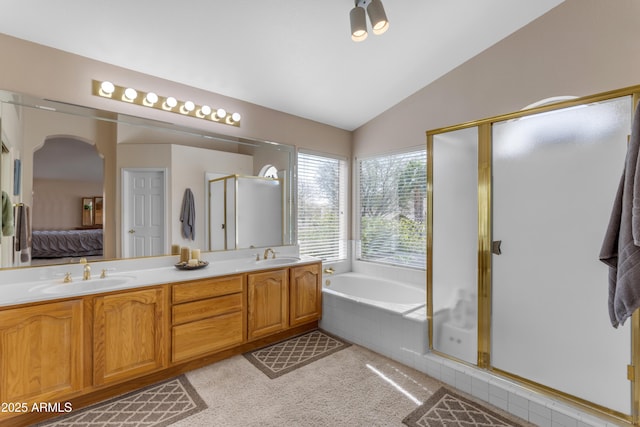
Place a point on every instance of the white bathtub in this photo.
(388, 295)
(386, 316)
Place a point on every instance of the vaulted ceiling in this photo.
(291, 56)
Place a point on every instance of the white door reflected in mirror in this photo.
(144, 212)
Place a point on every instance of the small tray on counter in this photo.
(184, 266)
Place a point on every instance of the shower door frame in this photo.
(484, 273)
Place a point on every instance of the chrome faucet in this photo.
(266, 253)
(86, 273)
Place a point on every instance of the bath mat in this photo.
(286, 356)
(154, 406)
(446, 408)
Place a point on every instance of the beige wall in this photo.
(581, 47)
(53, 74)
(57, 204)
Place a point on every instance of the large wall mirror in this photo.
(141, 177)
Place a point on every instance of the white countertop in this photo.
(24, 285)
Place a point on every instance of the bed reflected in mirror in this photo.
(68, 178)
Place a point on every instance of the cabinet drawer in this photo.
(202, 309)
(206, 336)
(206, 288)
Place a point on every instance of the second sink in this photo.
(277, 261)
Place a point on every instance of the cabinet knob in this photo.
(132, 231)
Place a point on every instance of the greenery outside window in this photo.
(392, 203)
(322, 196)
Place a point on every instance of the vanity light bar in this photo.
(106, 89)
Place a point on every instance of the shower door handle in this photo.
(495, 247)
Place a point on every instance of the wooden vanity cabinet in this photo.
(129, 334)
(305, 296)
(97, 346)
(268, 302)
(41, 352)
(207, 316)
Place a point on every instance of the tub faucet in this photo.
(86, 273)
(266, 253)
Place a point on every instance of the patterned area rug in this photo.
(154, 406)
(446, 408)
(286, 356)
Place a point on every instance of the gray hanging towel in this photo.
(621, 247)
(188, 215)
(23, 232)
(7, 216)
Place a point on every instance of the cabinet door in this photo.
(268, 302)
(41, 352)
(129, 334)
(305, 295)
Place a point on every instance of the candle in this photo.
(184, 254)
(192, 263)
(195, 254)
(175, 249)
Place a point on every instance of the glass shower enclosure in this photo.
(518, 208)
(245, 212)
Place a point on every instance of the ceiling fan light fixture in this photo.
(378, 17)
(358, 20)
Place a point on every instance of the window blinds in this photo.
(392, 203)
(321, 206)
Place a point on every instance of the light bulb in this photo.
(221, 113)
(107, 87)
(130, 93)
(171, 102)
(189, 106)
(381, 27)
(205, 110)
(151, 98)
(236, 117)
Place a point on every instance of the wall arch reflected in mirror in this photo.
(68, 184)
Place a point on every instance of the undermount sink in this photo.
(105, 284)
(277, 261)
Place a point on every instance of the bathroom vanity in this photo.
(85, 341)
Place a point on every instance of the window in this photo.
(321, 206)
(392, 204)
(269, 171)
